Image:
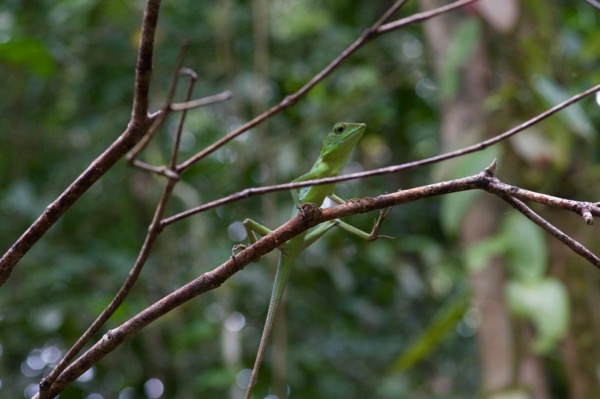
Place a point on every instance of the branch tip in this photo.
(188, 72)
(587, 216)
(491, 168)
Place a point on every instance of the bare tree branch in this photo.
(308, 218)
(143, 68)
(201, 102)
(593, 3)
(137, 127)
(577, 247)
(160, 115)
(423, 16)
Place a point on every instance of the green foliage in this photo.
(66, 71)
(544, 302)
(458, 53)
(525, 246)
(441, 325)
(531, 294)
(29, 54)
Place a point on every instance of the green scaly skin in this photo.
(336, 149)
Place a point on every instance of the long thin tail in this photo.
(283, 270)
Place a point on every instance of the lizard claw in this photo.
(237, 248)
(377, 226)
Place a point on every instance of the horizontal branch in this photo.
(308, 218)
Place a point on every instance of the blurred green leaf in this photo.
(478, 256)
(28, 53)
(545, 303)
(441, 326)
(459, 51)
(526, 247)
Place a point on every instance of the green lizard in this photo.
(336, 148)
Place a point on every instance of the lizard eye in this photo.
(339, 129)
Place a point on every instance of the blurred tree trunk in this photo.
(504, 364)
(580, 347)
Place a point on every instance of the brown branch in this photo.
(143, 68)
(137, 127)
(208, 281)
(423, 16)
(161, 115)
(226, 95)
(577, 247)
(593, 3)
(369, 34)
(250, 192)
(310, 217)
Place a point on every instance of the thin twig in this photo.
(389, 12)
(423, 16)
(158, 121)
(193, 77)
(226, 95)
(594, 3)
(250, 192)
(577, 247)
(291, 99)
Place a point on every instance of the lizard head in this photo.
(340, 141)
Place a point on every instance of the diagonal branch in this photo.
(369, 34)
(310, 217)
(576, 246)
(423, 16)
(137, 127)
